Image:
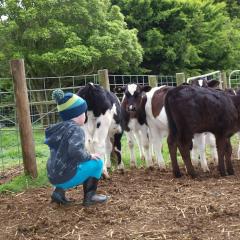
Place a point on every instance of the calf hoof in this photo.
(105, 175)
(133, 166)
(230, 172)
(177, 174)
(121, 171)
(151, 168)
(206, 170)
(193, 175)
(162, 168)
(223, 174)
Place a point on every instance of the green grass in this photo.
(10, 156)
(23, 182)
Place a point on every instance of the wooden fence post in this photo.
(180, 78)
(24, 120)
(152, 81)
(224, 81)
(103, 79)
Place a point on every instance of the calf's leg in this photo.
(172, 146)
(146, 147)
(117, 149)
(130, 139)
(157, 145)
(184, 149)
(221, 141)
(228, 153)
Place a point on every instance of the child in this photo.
(69, 163)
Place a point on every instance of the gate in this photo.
(234, 79)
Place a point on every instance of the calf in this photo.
(144, 116)
(193, 110)
(103, 123)
(202, 139)
(134, 121)
(157, 120)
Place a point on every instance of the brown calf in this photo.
(193, 110)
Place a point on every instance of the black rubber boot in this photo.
(58, 196)
(90, 196)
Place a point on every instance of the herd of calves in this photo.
(189, 115)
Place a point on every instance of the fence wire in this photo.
(43, 111)
(10, 150)
(122, 80)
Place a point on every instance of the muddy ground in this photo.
(143, 205)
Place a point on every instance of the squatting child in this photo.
(69, 164)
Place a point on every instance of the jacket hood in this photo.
(55, 133)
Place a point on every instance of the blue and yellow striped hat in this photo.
(69, 105)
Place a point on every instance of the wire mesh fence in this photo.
(43, 111)
(122, 80)
(10, 150)
(42, 107)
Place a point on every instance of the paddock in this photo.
(143, 205)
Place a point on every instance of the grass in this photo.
(10, 155)
(23, 182)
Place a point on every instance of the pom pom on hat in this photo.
(57, 95)
(69, 105)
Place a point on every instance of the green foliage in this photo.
(79, 37)
(232, 7)
(190, 36)
(68, 37)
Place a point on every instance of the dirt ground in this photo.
(144, 204)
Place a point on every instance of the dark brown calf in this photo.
(193, 110)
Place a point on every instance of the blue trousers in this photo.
(91, 168)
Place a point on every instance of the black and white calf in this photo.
(134, 121)
(157, 120)
(103, 123)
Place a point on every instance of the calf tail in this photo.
(117, 147)
(171, 123)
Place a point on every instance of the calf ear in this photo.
(146, 88)
(119, 89)
(213, 83)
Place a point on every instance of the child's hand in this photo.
(95, 156)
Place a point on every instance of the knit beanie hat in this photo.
(69, 105)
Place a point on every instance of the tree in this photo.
(187, 35)
(61, 37)
(232, 7)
